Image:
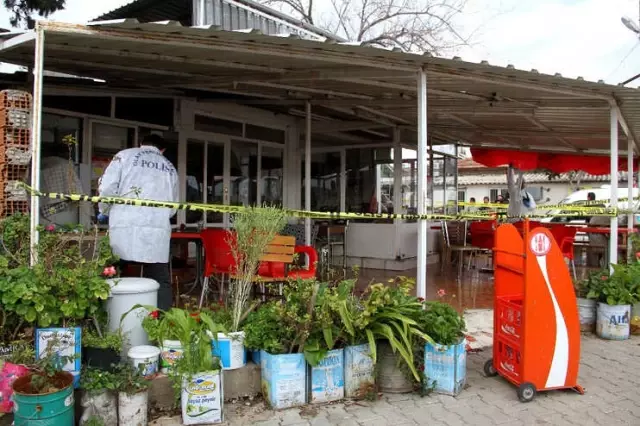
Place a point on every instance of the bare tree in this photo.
(412, 25)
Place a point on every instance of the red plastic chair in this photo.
(278, 270)
(565, 237)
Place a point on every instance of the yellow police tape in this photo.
(219, 208)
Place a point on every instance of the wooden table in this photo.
(195, 237)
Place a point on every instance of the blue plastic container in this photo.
(229, 348)
(255, 357)
(326, 380)
(446, 367)
(53, 409)
(284, 380)
(359, 369)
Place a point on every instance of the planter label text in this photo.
(202, 399)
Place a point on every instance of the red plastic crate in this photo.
(509, 317)
(509, 359)
(15, 99)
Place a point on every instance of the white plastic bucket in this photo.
(171, 351)
(125, 294)
(229, 348)
(613, 321)
(587, 314)
(202, 398)
(132, 409)
(145, 358)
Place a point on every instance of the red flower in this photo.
(50, 228)
(154, 314)
(195, 315)
(420, 299)
(604, 277)
(638, 255)
(442, 293)
(109, 271)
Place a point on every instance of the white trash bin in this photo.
(125, 294)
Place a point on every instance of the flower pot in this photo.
(170, 352)
(8, 374)
(229, 348)
(326, 380)
(145, 359)
(391, 378)
(54, 408)
(103, 359)
(202, 398)
(132, 409)
(587, 314)
(613, 321)
(635, 319)
(359, 371)
(103, 405)
(445, 367)
(284, 380)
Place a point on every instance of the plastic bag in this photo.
(8, 374)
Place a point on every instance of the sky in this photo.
(571, 37)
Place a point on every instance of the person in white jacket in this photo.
(142, 235)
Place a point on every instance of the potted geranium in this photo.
(445, 359)
(615, 295)
(99, 397)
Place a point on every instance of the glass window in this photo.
(264, 133)
(272, 176)
(195, 179)
(361, 181)
(215, 179)
(54, 129)
(325, 182)
(244, 170)
(451, 187)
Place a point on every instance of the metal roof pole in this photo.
(630, 202)
(613, 240)
(307, 172)
(421, 290)
(36, 125)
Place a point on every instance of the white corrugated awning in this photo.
(472, 179)
(352, 88)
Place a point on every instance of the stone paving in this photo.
(610, 372)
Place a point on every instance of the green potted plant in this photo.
(615, 295)
(254, 229)
(445, 358)
(101, 349)
(45, 393)
(133, 395)
(195, 374)
(99, 399)
(587, 306)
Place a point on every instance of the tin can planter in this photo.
(202, 398)
(284, 380)
(390, 378)
(51, 409)
(587, 314)
(103, 405)
(359, 371)
(326, 380)
(613, 321)
(132, 409)
(445, 367)
(170, 352)
(229, 348)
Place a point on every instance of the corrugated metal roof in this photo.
(468, 179)
(479, 104)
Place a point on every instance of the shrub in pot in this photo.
(586, 306)
(615, 294)
(133, 396)
(445, 358)
(101, 349)
(46, 391)
(99, 399)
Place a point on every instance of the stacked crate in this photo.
(15, 150)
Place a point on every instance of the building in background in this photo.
(478, 181)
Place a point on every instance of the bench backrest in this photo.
(281, 249)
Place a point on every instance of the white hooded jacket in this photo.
(140, 234)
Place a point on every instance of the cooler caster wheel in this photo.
(526, 392)
(489, 370)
